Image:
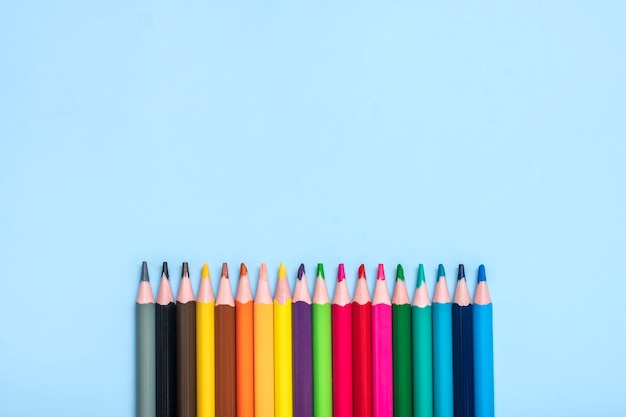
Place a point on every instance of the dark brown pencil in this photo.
(186, 330)
(165, 329)
(225, 377)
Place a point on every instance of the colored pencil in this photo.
(422, 336)
(205, 345)
(283, 382)
(382, 367)
(263, 348)
(225, 377)
(463, 348)
(165, 331)
(186, 348)
(145, 335)
(244, 314)
(342, 347)
(362, 347)
(483, 348)
(443, 391)
(322, 348)
(402, 367)
(302, 348)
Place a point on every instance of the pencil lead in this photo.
(300, 271)
(225, 270)
(461, 272)
(164, 271)
(144, 271)
(362, 271)
(441, 273)
(381, 272)
(282, 271)
(243, 270)
(320, 271)
(263, 272)
(341, 273)
(205, 272)
(420, 275)
(185, 273)
(481, 274)
(399, 273)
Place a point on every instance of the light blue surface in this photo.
(478, 132)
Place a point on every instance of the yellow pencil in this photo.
(205, 346)
(263, 348)
(283, 385)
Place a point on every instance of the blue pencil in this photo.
(483, 348)
(443, 401)
(463, 349)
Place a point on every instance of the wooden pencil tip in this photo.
(282, 271)
(461, 272)
(320, 270)
(399, 273)
(441, 273)
(341, 273)
(205, 271)
(381, 272)
(420, 275)
(482, 277)
(243, 270)
(185, 273)
(164, 271)
(144, 271)
(362, 271)
(300, 271)
(225, 270)
(263, 272)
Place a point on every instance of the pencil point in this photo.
(205, 271)
(442, 272)
(225, 270)
(420, 275)
(301, 271)
(185, 273)
(144, 271)
(164, 271)
(320, 270)
(282, 271)
(461, 272)
(263, 272)
(341, 273)
(481, 274)
(400, 273)
(243, 270)
(362, 271)
(381, 272)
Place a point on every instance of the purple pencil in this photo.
(302, 348)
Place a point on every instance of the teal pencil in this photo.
(421, 312)
(443, 389)
(483, 348)
(146, 347)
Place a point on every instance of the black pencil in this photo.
(463, 349)
(165, 330)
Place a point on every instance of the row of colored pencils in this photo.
(297, 356)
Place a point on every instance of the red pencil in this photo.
(362, 347)
(342, 348)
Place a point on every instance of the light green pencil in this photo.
(146, 347)
(422, 349)
(322, 348)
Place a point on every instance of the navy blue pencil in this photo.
(463, 349)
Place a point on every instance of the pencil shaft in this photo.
(146, 360)
(245, 356)
(362, 359)
(205, 351)
(402, 368)
(442, 360)
(263, 360)
(166, 374)
(342, 360)
(283, 385)
(382, 361)
(302, 360)
(225, 377)
(322, 365)
(421, 323)
(483, 360)
(463, 360)
(186, 352)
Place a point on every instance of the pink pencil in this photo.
(342, 348)
(382, 368)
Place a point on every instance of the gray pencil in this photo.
(146, 361)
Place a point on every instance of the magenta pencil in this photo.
(342, 348)
(382, 363)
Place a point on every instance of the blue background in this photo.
(398, 131)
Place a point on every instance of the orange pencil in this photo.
(245, 345)
(263, 348)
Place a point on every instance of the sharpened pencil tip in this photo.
(282, 271)
(205, 271)
(399, 273)
(301, 271)
(461, 272)
(164, 271)
(381, 272)
(243, 270)
(420, 275)
(263, 272)
(341, 273)
(225, 270)
(320, 271)
(442, 272)
(362, 271)
(185, 273)
(144, 271)
(481, 274)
